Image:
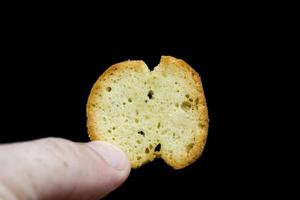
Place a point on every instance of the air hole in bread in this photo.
(150, 146)
(191, 100)
(146, 101)
(177, 90)
(137, 112)
(147, 150)
(200, 125)
(114, 128)
(129, 100)
(138, 141)
(150, 94)
(113, 138)
(187, 95)
(109, 130)
(124, 103)
(108, 89)
(141, 133)
(139, 158)
(177, 105)
(190, 146)
(197, 101)
(136, 120)
(158, 125)
(186, 105)
(157, 148)
(177, 137)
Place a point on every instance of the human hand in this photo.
(54, 168)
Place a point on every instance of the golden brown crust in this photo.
(98, 87)
(200, 141)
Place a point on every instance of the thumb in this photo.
(56, 168)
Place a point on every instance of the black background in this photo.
(48, 71)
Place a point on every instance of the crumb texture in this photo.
(149, 114)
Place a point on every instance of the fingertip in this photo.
(114, 158)
(94, 168)
(111, 154)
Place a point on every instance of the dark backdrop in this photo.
(47, 74)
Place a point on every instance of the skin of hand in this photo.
(54, 168)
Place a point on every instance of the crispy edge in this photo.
(200, 142)
(98, 87)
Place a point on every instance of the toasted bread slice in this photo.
(149, 114)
